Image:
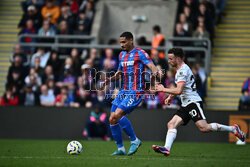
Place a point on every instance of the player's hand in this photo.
(106, 81)
(168, 100)
(159, 88)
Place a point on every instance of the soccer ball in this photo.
(74, 148)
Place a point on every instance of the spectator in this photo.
(29, 29)
(86, 76)
(158, 40)
(162, 62)
(200, 33)
(18, 65)
(37, 3)
(16, 74)
(46, 99)
(83, 95)
(39, 70)
(50, 11)
(245, 99)
(73, 4)
(48, 74)
(187, 26)
(52, 88)
(34, 84)
(77, 62)
(81, 30)
(180, 32)
(142, 41)
(43, 55)
(94, 56)
(9, 99)
(29, 97)
(16, 80)
(68, 79)
(35, 74)
(169, 78)
(68, 64)
(89, 11)
(63, 30)
(189, 16)
(100, 98)
(46, 29)
(209, 23)
(66, 15)
(18, 51)
(56, 64)
(65, 99)
(32, 14)
(86, 22)
(109, 63)
(198, 82)
(96, 125)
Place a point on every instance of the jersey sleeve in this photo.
(181, 76)
(144, 57)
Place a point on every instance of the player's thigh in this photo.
(119, 113)
(175, 122)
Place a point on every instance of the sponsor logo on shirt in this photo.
(128, 63)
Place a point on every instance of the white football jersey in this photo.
(189, 93)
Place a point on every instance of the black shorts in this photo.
(192, 111)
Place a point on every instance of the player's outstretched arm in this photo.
(174, 91)
(154, 70)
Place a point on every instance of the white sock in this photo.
(122, 149)
(135, 141)
(220, 127)
(171, 135)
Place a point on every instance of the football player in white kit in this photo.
(191, 107)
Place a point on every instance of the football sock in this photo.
(127, 127)
(117, 134)
(219, 127)
(122, 149)
(171, 135)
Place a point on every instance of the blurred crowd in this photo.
(39, 76)
(197, 18)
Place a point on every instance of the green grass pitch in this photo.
(52, 153)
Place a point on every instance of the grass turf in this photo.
(47, 153)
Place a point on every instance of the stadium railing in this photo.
(55, 44)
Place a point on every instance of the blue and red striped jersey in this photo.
(133, 66)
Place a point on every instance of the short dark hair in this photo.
(157, 28)
(127, 35)
(178, 52)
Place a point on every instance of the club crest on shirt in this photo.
(131, 54)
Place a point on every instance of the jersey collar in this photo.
(180, 66)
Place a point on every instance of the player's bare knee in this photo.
(171, 125)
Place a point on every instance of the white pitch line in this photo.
(120, 158)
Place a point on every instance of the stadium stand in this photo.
(231, 59)
(10, 14)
